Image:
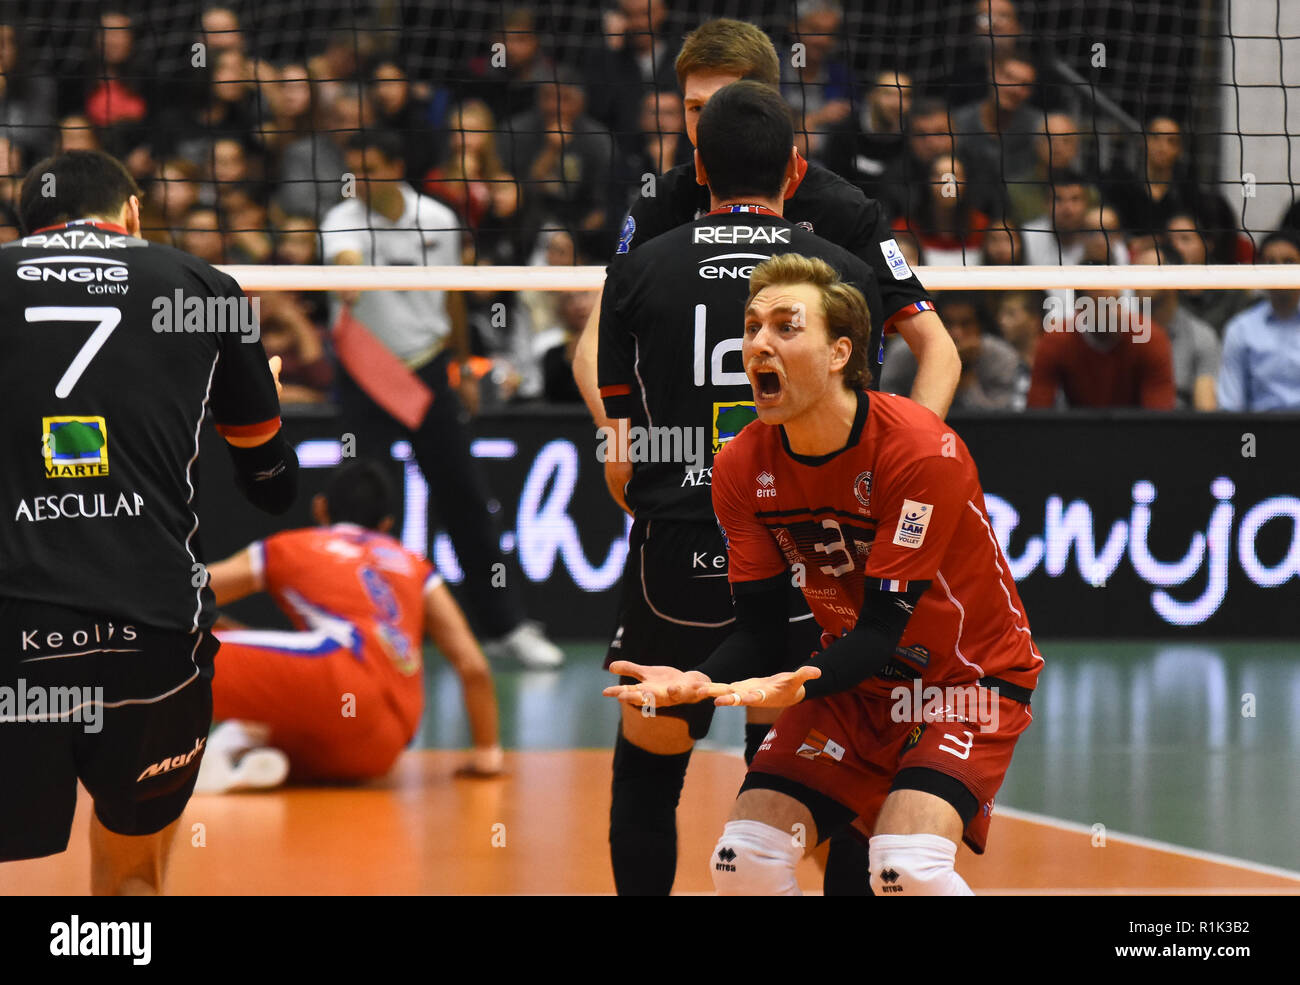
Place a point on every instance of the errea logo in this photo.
(766, 482)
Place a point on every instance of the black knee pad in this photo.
(698, 716)
(755, 733)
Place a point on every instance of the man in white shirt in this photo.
(389, 223)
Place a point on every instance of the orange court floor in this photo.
(542, 829)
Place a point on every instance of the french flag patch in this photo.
(892, 586)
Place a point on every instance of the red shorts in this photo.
(325, 710)
(848, 747)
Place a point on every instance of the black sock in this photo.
(847, 871)
(755, 733)
(643, 819)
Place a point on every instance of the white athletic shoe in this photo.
(232, 762)
(527, 644)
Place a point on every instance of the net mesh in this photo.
(539, 125)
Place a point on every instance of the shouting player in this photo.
(906, 721)
(670, 368)
(340, 698)
(714, 55)
(111, 353)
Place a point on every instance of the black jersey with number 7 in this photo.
(112, 350)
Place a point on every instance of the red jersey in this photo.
(901, 502)
(363, 587)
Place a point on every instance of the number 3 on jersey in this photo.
(105, 319)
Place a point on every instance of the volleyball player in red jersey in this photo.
(904, 724)
(341, 696)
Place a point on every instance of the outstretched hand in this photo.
(660, 687)
(777, 691)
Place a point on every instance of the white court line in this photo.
(1150, 843)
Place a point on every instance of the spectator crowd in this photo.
(537, 161)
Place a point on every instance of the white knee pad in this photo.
(755, 859)
(915, 865)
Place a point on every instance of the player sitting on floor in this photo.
(340, 697)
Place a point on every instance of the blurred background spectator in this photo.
(817, 85)
(1195, 346)
(506, 78)
(473, 181)
(1215, 307)
(566, 160)
(1261, 346)
(945, 225)
(27, 100)
(861, 149)
(635, 59)
(1056, 148)
(990, 367)
(410, 110)
(996, 134)
(1099, 353)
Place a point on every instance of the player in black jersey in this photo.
(720, 52)
(112, 350)
(671, 379)
(717, 53)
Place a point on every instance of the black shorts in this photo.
(675, 605)
(124, 708)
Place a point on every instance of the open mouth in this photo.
(767, 384)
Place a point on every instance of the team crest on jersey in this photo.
(75, 447)
(625, 237)
(817, 745)
(862, 489)
(728, 420)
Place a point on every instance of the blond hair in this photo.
(844, 306)
(731, 46)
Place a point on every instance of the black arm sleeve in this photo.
(865, 649)
(267, 474)
(757, 644)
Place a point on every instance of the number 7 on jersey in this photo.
(107, 319)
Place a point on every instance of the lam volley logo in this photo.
(75, 447)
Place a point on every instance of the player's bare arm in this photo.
(235, 578)
(938, 367)
(445, 624)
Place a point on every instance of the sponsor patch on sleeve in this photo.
(629, 230)
(912, 523)
(895, 260)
